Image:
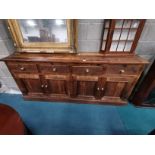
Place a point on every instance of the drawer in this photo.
(49, 68)
(88, 70)
(123, 69)
(22, 67)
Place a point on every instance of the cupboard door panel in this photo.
(21, 86)
(114, 89)
(118, 87)
(31, 83)
(57, 87)
(56, 84)
(33, 86)
(85, 87)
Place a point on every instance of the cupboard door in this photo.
(118, 87)
(114, 88)
(85, 87)
(33, 86)
(31, 83)
(56, 84)
(21, 86)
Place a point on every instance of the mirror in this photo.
(44, 35)
(43, 30)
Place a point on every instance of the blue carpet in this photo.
(60, 118)
(137, 120)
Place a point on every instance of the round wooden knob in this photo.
(46, 85)
(98, 88)
(22, 68)
(54, 69)
(42, 86)
(102, 89)
(122, 71)
(87, 70)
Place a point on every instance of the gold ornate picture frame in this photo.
(42, 47)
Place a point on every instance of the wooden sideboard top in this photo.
(75, 58)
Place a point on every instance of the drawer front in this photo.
(87, 70)
(49, 68)
(123, 69)
(22, 67)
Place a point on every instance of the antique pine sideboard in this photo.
(45, 69)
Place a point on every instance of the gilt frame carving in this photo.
(43, 47)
